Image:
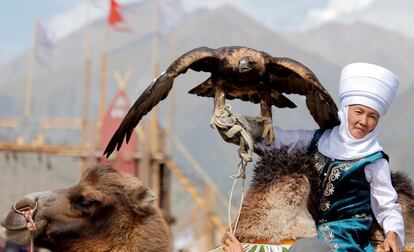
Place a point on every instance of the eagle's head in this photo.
(247, 64)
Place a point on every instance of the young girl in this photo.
(353, 168)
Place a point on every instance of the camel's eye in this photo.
(84, 203)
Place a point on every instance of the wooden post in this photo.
(209, 225)
(102, 84)
(171, 101)
(144, 163)
(165, 196)
(154, 118)
(86, 78)
(30, 72)
(86, 87)
(122, 81)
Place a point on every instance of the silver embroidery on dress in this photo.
(333, 176)
(324, 204)
(329, 190)
(320, 161)
(328, 236)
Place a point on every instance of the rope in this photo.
(233, 125)
(31, 226)
(242, 166)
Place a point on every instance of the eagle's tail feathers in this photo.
(204, 89)
(281, 101)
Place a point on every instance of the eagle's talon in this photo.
(212, 122)
(268, 131)
(217, 114)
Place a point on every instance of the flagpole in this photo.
(87, 75)
(154, 118)
(102, 82)
(86, 82)
(114, 17)
(166, 204)
(104, 74)
(30, 72)
(171, 100)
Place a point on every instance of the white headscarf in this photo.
(366, 84)
(338, 143)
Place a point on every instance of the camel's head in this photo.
(83, 212)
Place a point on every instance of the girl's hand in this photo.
(231, 244)
(391, 242)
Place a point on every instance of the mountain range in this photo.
(58, 85)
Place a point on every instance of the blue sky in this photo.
(61, 16)
(17, 19)
(17, 16)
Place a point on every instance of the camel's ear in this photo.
(142, 199)
(145, 196)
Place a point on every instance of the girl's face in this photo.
(361, 120)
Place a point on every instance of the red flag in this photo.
(115, 17)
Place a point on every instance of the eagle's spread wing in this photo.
(199, 59)
(291, 77)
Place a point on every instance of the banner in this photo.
(43, 46)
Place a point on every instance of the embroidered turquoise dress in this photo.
(344, 217)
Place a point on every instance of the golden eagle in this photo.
(236, 72)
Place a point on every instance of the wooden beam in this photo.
(196, 195)
(49, 149)
(10, 122)
(209, 195)
(75, 123)
(58, 122)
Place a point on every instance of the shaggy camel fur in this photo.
(404, 188)
(283, 198)
(283, 190)
(107, 211)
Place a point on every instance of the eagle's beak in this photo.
(244, 65)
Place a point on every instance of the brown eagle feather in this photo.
(260, 75)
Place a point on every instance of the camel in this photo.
(106, 211)
(282, 200)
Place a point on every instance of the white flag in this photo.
(43, 45)
(170, 13)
